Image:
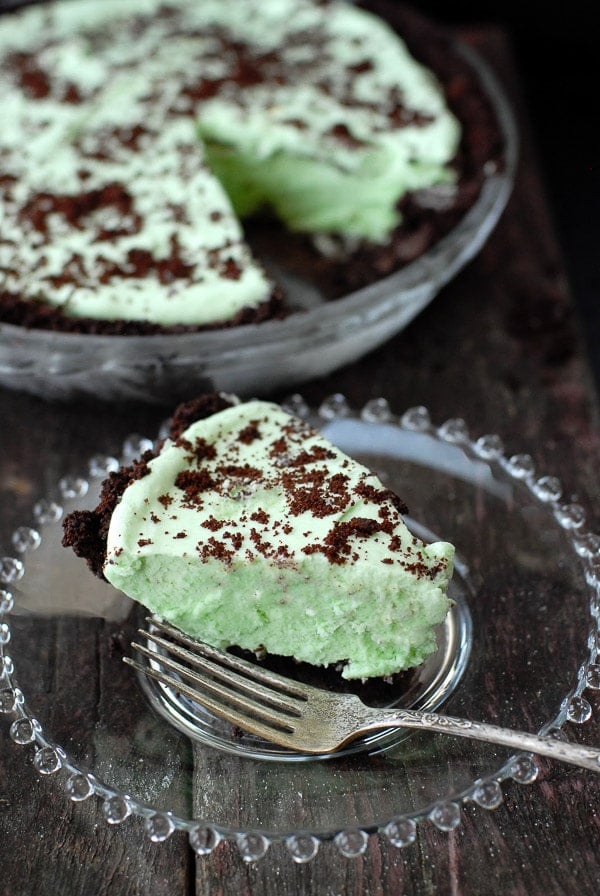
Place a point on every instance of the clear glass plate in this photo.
(527, 566)
(253, 359)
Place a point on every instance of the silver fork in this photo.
(303, 718)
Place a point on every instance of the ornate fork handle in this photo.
(575, 754)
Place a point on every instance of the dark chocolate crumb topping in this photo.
(309, 488)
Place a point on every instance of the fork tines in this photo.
(232, 688)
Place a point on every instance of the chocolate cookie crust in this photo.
(85, 531)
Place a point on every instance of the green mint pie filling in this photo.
(251, 529)
(347, 125)
(314, 196)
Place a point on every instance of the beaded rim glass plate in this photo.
(255, 359)
(523, 547)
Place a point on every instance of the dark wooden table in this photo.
(500, 347)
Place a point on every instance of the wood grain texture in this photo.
(500, 347)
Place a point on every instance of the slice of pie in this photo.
(248, 528)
